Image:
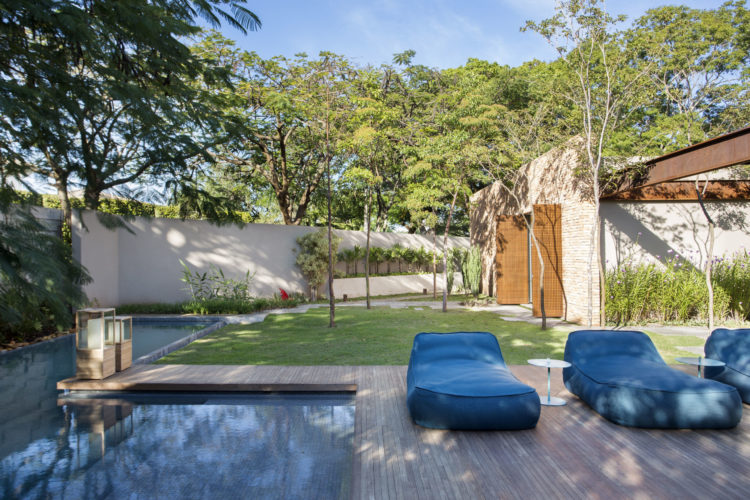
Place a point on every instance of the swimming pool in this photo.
(150, 335)
(162, 445)
(188, 446)
(29, 375)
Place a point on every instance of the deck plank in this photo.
(572, 453)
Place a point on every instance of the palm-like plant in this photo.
(424, 257)
(377, 255)
(358, 253)
(410, 256)
(397, 252)
(390, 256)
(348, 257)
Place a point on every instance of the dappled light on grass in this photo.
(379, 336)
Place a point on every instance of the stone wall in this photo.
(636, 231)
(550, 179)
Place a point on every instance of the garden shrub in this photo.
(454, 260)
(312, 258)
(218, 305)
(213, 284)
(472, 270)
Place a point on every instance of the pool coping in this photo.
(217, 378)
(34, 344)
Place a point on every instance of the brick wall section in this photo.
(577, 222)
(551, 178)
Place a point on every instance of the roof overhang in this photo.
(720, 152)
(724, 190)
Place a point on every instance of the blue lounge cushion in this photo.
(460, 381)
(733, 348)
(621, 375)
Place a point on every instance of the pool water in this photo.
(149, 336)
(188, 446)
(163, 446)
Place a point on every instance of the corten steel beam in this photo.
(713, 154)
(685, 191)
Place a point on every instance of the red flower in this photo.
(284, 295)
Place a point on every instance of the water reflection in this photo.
(28, 391)
(206, 446)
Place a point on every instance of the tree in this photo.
(280, 107)
(605, 87)
(333, 111)
(100, 93)
(379, 144)
(460, 135)
(347, 256)
(697, 62)
(709, 254)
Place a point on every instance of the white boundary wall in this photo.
(392, 285)
(654, 231)
(140, 264)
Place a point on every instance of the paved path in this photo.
(508, 313)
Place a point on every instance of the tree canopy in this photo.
(96, 96)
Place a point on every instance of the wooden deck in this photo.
(572, 453)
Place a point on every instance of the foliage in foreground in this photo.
(381, 336)
(40, 282)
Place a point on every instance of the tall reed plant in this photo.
(670, 292)
(733, 275)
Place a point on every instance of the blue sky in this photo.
(444, 33)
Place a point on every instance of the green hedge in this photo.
(118, 206)
(214, 306)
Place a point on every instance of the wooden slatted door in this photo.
(512, 260)
(548, 232)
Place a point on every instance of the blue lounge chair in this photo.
(621, 375)
(733, 348)
(460, 381)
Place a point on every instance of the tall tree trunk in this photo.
(535, 243)
(367, 246)
(593, 246)
(434, 264)
(445, 253)
(91, 197)
(602, 278)
(331, 300)
(61, 185)
(709, 256)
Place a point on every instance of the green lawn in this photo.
(381, 336)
